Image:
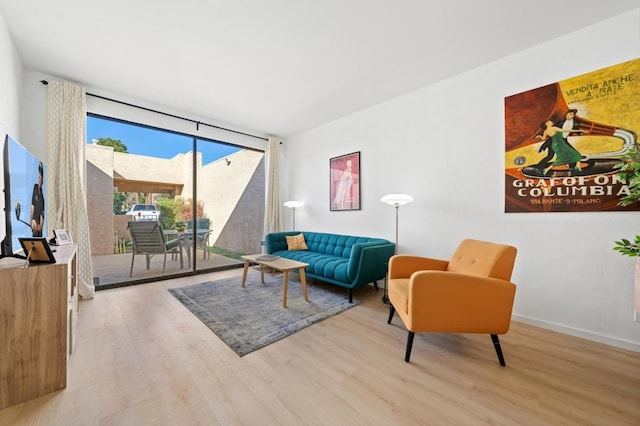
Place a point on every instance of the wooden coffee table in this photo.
(280, 264)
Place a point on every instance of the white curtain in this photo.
(272, 211)
(66, 176)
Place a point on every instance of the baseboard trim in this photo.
(619, 343)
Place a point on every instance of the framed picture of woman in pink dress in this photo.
(344, 184)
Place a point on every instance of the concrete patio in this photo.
(114, 268)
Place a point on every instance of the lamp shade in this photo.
(397, 199)
(293, 204)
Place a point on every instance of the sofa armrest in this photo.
(402, 266)
(368, 261)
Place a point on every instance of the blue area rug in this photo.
(250, 318)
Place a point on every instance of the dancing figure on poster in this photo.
(565, 153)
(570, 125)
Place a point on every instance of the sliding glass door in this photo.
(143, 174)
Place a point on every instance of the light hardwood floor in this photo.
(143, 359)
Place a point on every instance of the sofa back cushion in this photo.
(333, 244)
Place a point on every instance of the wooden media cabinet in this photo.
(38, 315)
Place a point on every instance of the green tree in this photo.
(169, 210)
(116, 144)
(119, 199)
(177, 211)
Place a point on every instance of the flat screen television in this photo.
(24, 189)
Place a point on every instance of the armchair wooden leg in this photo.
(350, 295)
(392, 311)
(496, 345)
(407, 355)
(375, 285)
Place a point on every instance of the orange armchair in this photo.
(471, 293)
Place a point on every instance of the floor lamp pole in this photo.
(396, 250)
(395, 200)
(293, 205)
(385, 298)
(294, 218)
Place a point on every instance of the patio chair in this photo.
(148, 239)
(201, 233)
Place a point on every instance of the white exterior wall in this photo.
(221, 186)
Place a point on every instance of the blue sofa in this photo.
(343, 260)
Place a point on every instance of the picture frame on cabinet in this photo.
(37, 250)
(62, 237)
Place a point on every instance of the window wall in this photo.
(206, 196)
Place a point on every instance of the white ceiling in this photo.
(278, 67)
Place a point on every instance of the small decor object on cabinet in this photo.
(344, 172)
(62, 237)
(37, 250)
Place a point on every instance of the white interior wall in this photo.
(10, 84)
(10, 94)
(444, 145)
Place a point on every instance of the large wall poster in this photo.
(563, 140)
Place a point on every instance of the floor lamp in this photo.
(293, 205)
(395, 200)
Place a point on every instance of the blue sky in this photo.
(154, 143)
